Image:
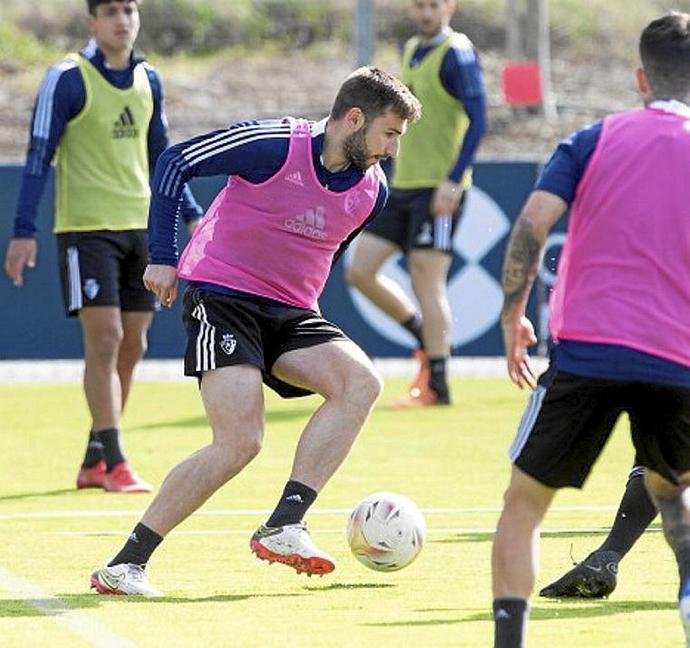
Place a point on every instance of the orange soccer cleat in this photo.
(122, 479)
(91, 477)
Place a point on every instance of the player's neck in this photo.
(332, 154)
(116, 59)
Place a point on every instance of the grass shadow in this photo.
(347, 586)
(488, 537)
(200, 421)
(585, 609)
(50, 493)
(69, 602)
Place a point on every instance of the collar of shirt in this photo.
(435, 40)
(347, 177)
(671, 106)
(93, 54)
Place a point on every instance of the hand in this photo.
(192, 225)
(161, 280)
(518, 334)
(446, 198)
(21, 252)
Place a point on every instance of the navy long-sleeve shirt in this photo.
(461, 76)
(252, 150)
(60, 99)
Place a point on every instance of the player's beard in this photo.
(355, 149)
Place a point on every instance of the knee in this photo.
(244, 450)
(135, 345)
(105, 345)
(355, 275)
(363, 387)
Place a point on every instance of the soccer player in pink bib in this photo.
(297, 194)
(620, 319)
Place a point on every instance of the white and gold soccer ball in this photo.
(386, 531)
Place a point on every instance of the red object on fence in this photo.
(521, 82)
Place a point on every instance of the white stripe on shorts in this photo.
(205, 341)
(442, 230)
(528, 420)
(73, 279)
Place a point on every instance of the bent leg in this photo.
(233, 399)
(343, 374)
(364, 273)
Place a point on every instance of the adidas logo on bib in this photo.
(311, 224)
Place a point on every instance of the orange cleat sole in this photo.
(309, 566)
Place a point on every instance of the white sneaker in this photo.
(122, 579)
(291, 545)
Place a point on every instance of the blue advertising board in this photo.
(34, 325)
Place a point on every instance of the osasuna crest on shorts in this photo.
(228, 343)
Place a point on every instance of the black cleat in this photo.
(594, 577)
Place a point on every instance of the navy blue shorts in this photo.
(569, 419)
(407, 221)
(225, 330)
(104, 268)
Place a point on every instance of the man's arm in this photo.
(520, 267)
(253, 150)
(60, 97)
(190, 210)
(462, 78)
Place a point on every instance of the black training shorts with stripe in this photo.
(104, 268)
(225, 330)
(407, 221)
(569, 419)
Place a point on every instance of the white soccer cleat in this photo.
(291, 545)
(124, 579)
(684, 608)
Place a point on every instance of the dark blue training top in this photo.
(253, 150)
(60, 99)
(461, 76)
(561, 176)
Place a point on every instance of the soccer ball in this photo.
(386, 531)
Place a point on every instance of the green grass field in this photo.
(451, 461)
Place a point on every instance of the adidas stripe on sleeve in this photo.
(253, 150)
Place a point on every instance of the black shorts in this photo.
(224, 330)
(569, 419)
(104, 268)
(407, 221)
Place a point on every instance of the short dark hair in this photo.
(374, 92)
(92, 4)
(665, 55)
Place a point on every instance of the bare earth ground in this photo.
(203, 97)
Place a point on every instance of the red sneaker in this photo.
(421, 380)
(420, 398)
(122, 479)
(91, 477)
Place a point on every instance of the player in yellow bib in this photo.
(102, 112)
(430, 178)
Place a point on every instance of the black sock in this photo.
(141, 543)
(635, 514)
(438, 381)
(112, 450)
(293, 504)
(510, 619)
(414, 326)
(94, 451)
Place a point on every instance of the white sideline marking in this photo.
(71, 371)
(40, 515)
(61, 612)
(248, 532)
